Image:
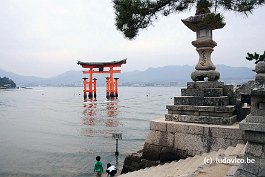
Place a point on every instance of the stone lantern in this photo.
(203, 25)
(253, 128)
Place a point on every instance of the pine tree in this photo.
(255, 56)
(132, 15)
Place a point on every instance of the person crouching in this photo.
(111, 170)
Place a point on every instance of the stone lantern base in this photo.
(201, 75)
(209, 102)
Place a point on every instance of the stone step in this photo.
(206, 92)
(213, 155)
(187, 167)
(228, 108)
(190, 166)
(242, 153)
(174, 165)
(228, 151)
(184, 169)
(197, 163)
(202, 113)
(158, 171)
(199, 101)
(182, 165)
(237, 150)
(221, 151)
(208, 84)
(201, 119)
(232, 171)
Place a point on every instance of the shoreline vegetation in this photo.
(6, 83)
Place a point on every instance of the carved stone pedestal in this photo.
(204, 103)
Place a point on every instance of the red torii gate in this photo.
(100, 68)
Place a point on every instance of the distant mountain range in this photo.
(167, 75)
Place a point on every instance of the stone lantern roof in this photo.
(211, 21)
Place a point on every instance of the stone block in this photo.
(201, 119)
(186, 112)
(192, 108)
(242, 173)
(198, 101)
(229, 108)
(188, 100)
(263, 152)
(255, 119)
(256, 137)
(170, 139)
(228, 132)
(219, 143)
(169, 117)
(205, 108)
(213, 92)
(251, 126)
(254, 149)
(192, 92)
(157, 138)
(262, 168)
(180, 153)
(187, 128)
(216, 114)
(151, 152)
(257, 102)
(209, 84)
(232, 171)
(201, 75)
(188, 142)
(160, 138)
(258, 112)
(215, 101)
(207, 139)
(229, 90)
(179, 107)
(251, 167)
(159, 125)
(192, 153)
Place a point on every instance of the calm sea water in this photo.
(51, 131)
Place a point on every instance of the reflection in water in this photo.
(90, 112)
(95, 113)
(112, 112)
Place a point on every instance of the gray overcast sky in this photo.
(47, 37)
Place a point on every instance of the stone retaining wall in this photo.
(168, 141)
(188, 139)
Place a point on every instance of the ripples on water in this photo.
(52, 132)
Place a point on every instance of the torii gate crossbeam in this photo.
(101, 68)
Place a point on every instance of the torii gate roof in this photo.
(102, 64)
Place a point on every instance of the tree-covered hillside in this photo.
(7, 83)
